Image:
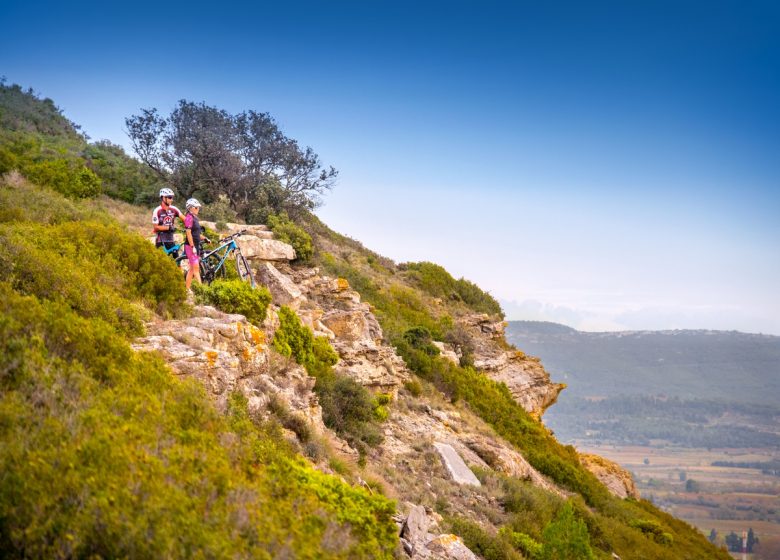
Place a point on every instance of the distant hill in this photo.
(689, 364)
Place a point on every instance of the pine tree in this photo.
(567, 538)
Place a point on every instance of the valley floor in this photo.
(684, 482)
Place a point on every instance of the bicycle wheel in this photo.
(209, 271)
(244, 271)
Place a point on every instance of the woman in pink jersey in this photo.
(193, 235)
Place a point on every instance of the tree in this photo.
(734, 542)
(567, 537)
(713, 536)
(208, 152)
(751, 540)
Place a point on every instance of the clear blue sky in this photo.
(608, 165)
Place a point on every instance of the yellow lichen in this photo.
(258, 336)
(343, 284)
(211, 357)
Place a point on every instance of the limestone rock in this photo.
(525, 377)
(259, 230)
(450, 547)
(458, 470)
(617, 479)
(508, 461)
(349, 325)
(371, 365)
(255, 248)
(283, 289)
(226, 353)
(447, 351)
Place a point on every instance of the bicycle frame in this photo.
(229, 247)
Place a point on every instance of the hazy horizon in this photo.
(609, 166)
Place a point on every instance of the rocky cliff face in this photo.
(428, 442)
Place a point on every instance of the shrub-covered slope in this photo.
(419, 303)
(105, 453)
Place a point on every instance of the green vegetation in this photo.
(289, 232)
(105, 453)
(566, 538)
(235, 296)
(411, 320)
(436, 281)
(681, 364)
(37, 141)
(347, 406)
(209, 153)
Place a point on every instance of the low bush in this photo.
(235, 296)
(435, 280)
(69, 178)
(105, 453)
(567, 538)
(522, 542)
(479, 541)
(347, 406)
(289, 232)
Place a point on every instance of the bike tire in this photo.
(244, 270)
(208, 269)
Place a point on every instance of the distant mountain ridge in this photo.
(689, 364)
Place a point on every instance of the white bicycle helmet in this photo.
(193, 203)
(165, 191)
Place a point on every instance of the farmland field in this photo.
(685, 483)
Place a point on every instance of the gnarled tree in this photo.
(207, 152)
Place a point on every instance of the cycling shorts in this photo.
(192, 255)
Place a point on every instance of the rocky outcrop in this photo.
(258, 243)
(283, 289)
(257, 230)
(525, 376)
(227, 353)
(419, 542)
(458, 470)
(617, 479)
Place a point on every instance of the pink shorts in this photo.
(192, 255)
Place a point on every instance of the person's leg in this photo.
(194, 262)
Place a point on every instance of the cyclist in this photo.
(192, 240)
(163, 218)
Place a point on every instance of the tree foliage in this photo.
(207, 152)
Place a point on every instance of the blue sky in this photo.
(608, 165)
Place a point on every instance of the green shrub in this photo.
(105, 453)
(435, 280)
(98, 269)
(481, 542)
(289, 232)
(420, 338)
(567, 538)
(236, 296)
(522, 542)
(414, 387)
(379, 405)
(347, 406)
(219, 211)
(69, 178)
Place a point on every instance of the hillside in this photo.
(350, 407)
(688, 364)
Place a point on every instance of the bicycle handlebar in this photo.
(231, 237)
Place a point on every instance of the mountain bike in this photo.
(212, 263)
(173, 249)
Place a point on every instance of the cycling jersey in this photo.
(165, 217)
(192, 223)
